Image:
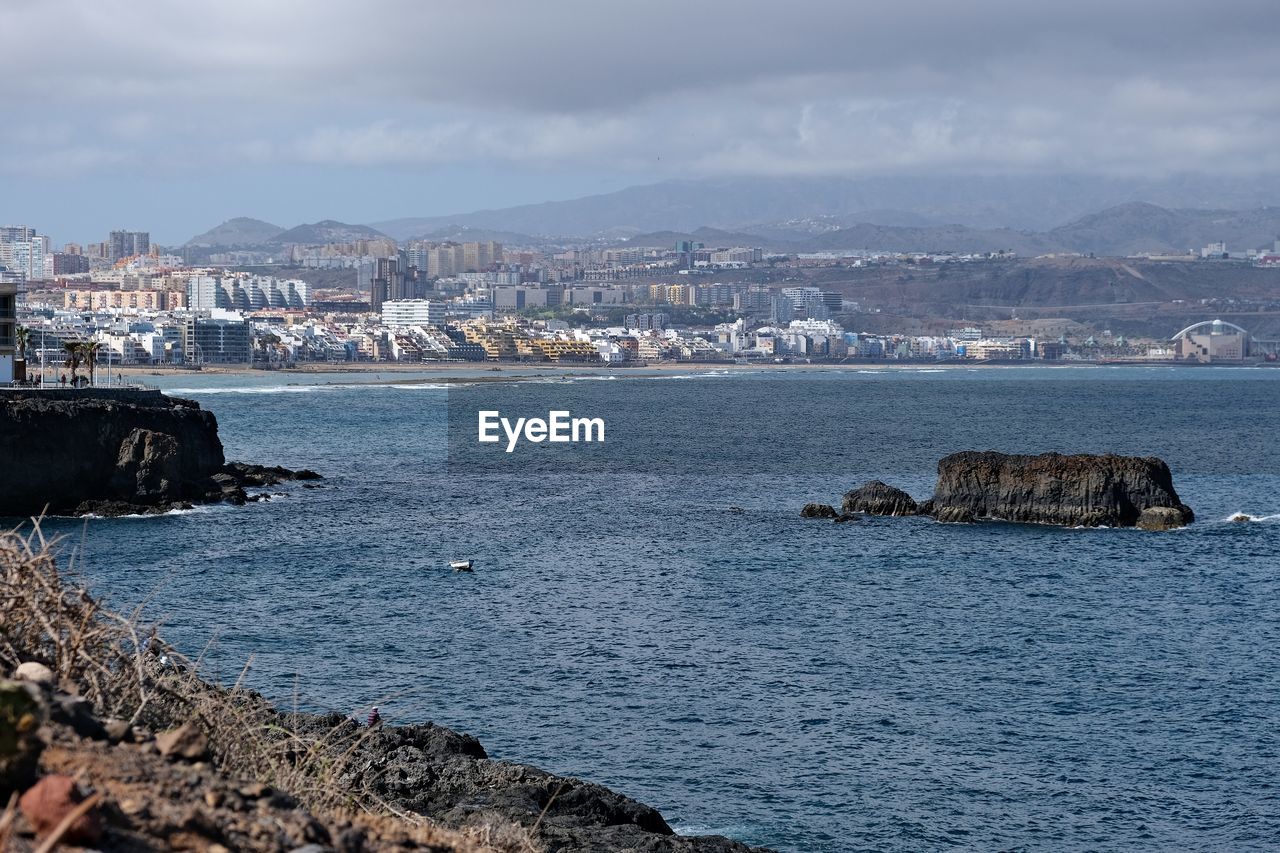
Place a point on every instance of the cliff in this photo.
(113, 452)
(1052, 488)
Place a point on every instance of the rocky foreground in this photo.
(1052, 488)
(110, 740)
(120, 454)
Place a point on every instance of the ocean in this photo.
(652, 614)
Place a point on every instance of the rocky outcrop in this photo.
(115, 454)
(818, 511)
(447, 776)
(1052, 488)
(877, 498)
(1163, 518)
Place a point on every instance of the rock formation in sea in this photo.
(818, 511)
(115, 453)
(1052, 488)
(877, 498)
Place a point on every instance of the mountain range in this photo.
(804, 215)
(1022, 203)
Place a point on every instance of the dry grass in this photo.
(47, 616)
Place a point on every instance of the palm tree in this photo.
(22, 338)
(90, 350)
(72, 349)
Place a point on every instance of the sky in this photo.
(174, 115)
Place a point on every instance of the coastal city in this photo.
(129, 302)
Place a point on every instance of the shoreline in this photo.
(517, 368)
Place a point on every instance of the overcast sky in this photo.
(173, 115)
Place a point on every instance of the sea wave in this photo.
(195, 510)
(1244, 517)
(422, 386)
(270, 389)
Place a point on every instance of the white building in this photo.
(399, 313)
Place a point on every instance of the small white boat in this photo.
(460, 565)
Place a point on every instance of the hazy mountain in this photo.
(1123, 230)
(933, 238)
(467, 234)
(326, 231)
(1129, 229)
(713, 237)
(240, 232)
(1018, 202)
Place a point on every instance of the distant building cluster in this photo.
(481, 301)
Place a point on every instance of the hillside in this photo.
(1147, 297)
(240, 232)
(326, 231)
(933, 238)
(1018, 202)
(1137, 227)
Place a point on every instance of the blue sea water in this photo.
(653, 615)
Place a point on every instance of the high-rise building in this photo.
(25, 253)
(126, 244)
(387, 284)
(221, 338)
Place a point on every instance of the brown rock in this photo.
(186, 742)
(1162, 518)
(254, 790)
(818, 511)
(50, 800)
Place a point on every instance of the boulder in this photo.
(818, 511)
(33, 671)
(877, 498)
(1163, 518)
(1053, 488)
(147, 467)
(186, 742)
(51, 800)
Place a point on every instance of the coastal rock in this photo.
(1052, 488)
(447, 776)
(116, 453)
(1163, 518)
(818, 511)
(877, 498)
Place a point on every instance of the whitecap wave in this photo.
(420, 386)
(270, 389)
(195, 510)
(1244, 517)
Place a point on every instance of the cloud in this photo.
(663, 87)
